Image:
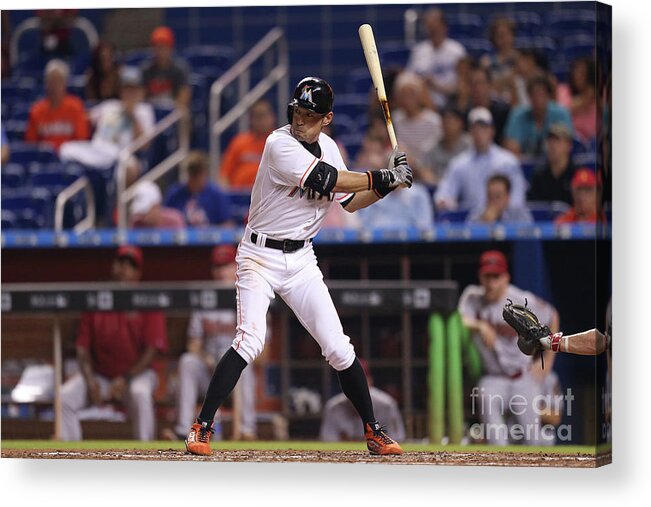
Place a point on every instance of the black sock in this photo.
(355, 386)
(226, 375)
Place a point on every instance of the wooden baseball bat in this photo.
(373, 62)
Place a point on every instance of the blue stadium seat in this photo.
(77, 86)
(561, 23)
(136, 56)
(33, 206)
(359, 81)
(13, 175)
(547, 211)
(464, 25)
(239, 201)
(344, 125)
(15, 130)
(24, 153)
(394, 54)
(19, 90)
(221, 57)
(351, 105)
(475, 46)
(527, 23)
(9, 219)
(577, 46)
(56, 181)
(542, 43)
(447, 217)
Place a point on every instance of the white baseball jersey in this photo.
(281, 206)
(505, 358)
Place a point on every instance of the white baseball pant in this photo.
(297, 279)
(139, 401)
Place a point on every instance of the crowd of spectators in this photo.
(462, 121)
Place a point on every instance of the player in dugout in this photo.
(116, 352)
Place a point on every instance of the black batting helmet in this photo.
(312, 93)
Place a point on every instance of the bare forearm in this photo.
(362, 200)
(587, 343)
(351, 182)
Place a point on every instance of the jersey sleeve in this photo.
(466, 304)
(289, 163)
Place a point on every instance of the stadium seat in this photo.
(542, 43)
(394, 54)
(135, 57)
(344, 125)
(24, 153)
(221, 57)
(464, 25)
(561, 23)
(9, 219)
(18, 90)
(351, 105)
(527, 23)
(476, 47)
(353, 143)
(447, 217)
(547, 211)
(577, 46)
(13, 175)
(359, 81)
(239, 201)
(33, 207)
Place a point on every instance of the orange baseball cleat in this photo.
(378, 442)
(198, 440)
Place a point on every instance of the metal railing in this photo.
(34, 23)
(241, 71)
(124, 195)
(411, 26)
(88, 222)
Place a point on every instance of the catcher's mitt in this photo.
(528, 327)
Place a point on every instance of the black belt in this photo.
(286, 245)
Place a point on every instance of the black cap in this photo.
(312, 93)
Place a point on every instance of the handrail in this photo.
(241, 71)
(411, 26)
(81, 23)
(81, 183)
(178, 116)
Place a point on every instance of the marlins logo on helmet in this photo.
(306, 94)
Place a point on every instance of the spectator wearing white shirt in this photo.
(418, 129)
(435, 59)
(464, 183)
(400, 209)
(117, 123)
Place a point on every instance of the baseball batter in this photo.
(510, 376)
(301, 174)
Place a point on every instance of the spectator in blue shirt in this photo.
(528, 126)
(400, 209)
(498, 205)
(200, 200)
(464, 184)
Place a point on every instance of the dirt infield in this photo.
(578, 460)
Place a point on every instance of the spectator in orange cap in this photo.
(586, 198)
(166, 77)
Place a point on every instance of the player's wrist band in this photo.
(555, 341)
(377, 183)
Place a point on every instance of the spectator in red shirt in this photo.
(586, 196)
(242, 157)
(58, 117)
(115, 351)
